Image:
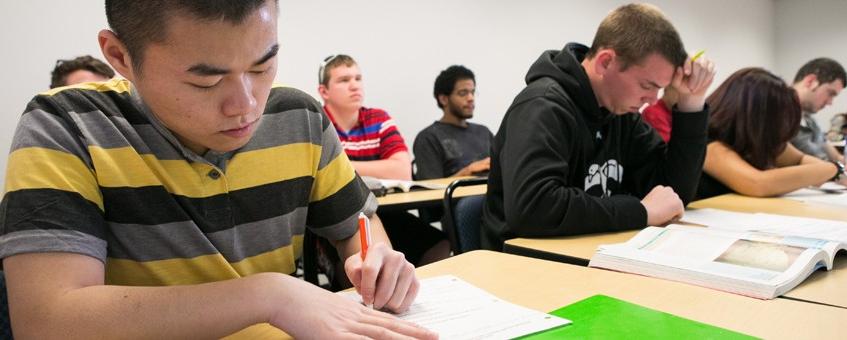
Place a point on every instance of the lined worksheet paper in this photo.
(456, 309)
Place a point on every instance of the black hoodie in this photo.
(562, 165)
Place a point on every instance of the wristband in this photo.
(840, 167)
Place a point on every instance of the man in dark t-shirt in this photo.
(452, 146)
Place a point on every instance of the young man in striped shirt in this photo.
(375, 147)
(172, 204)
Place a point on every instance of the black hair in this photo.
(139, 23)
(826, 70)
(446, 81)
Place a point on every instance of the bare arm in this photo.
(807, 159)
(398, 166)
(475, 167)
(729, 168)
(62, 295)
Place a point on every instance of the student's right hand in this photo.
(691, 82)
(314, 313)
(481, 165)
(663, 205)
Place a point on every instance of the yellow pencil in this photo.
(697, 55)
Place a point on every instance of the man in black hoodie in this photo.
(573, 155)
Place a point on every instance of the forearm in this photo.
(780, 181)
(211, 310)
(384, 168)
(466, 171)
(581, 214)
(544, 206)
(680, 164)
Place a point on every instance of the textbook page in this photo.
(757, 265)
(405, 186)
(456, 309)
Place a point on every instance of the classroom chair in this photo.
(310, 257)
(463, 216)
(326, 263)
(5, 322)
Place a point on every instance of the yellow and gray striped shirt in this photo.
(92, 172)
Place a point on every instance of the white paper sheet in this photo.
(456, 309)
(717, 217)
(828, 193)
(779, 224)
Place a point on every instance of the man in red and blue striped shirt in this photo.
(375, 147)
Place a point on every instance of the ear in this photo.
(323, 91)
(604, 61)
(116, 53)
(442, 99)
(811, 81)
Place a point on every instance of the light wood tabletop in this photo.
(780, 206)
(428, 198)
(546, 285)
(824, 287)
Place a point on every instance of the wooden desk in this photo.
(546, 286)
(579, 249)
(568, 249)
(781, 206)
(822, 287)
(428, 198)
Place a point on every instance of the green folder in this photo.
(603, 317)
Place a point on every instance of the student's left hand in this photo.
(692, 80)
(384, 279)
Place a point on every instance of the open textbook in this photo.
(456, 309)
(758, 264)
(381, 187)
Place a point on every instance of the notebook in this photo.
(604, 317)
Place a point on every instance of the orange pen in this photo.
(364, 233)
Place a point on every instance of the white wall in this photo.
(403, 46)
(807, 30)
(400, 45)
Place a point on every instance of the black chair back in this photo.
(462, 216)
(5, 322)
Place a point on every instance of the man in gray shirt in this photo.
(817, 83)
(452, 146)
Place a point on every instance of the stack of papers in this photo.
(828, 193)
(456, 309)
(769, 223)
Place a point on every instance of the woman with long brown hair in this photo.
(754, 114)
